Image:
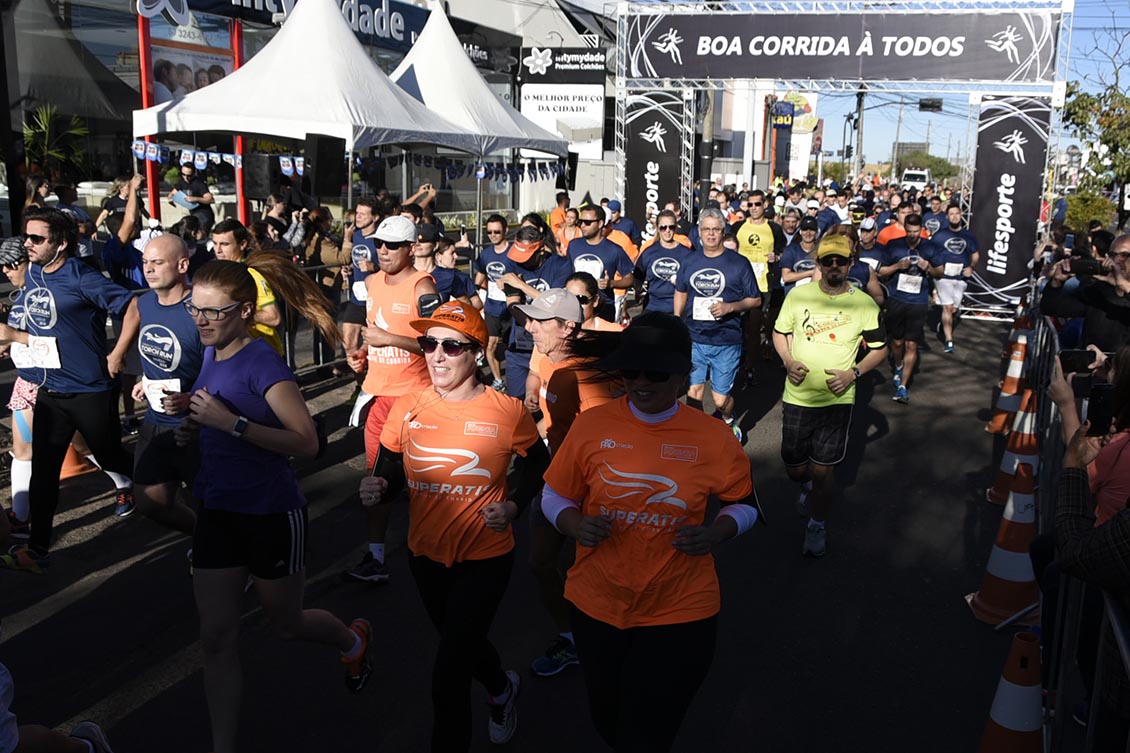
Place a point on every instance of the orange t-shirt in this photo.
(556, 219)
(596, 324)
(566, 391)
(455, 460)
(893, 232)
(682, 240)
(394, 371)
(650, 479)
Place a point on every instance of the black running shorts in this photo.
(158, 460)
(906, 321)
(814, 435)
(270, 546)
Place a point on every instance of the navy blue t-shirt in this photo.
(957, 247)
(912, 285)
(934, 222)
(886, 217)
(859, 274)
(452, 283)
(71, 304)
(600, 259)
(796, 259)
(874, 257)
(17, 319)
(553, 273)
(170, 348)
(493, 265)
(628, 227)
(363, 250)
(123, 262)
(729, 276)
(660, 266)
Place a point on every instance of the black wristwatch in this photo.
(857, 373)
(240, 427)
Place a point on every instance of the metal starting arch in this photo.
(722, 16)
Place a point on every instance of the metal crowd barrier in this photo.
(1060, 656)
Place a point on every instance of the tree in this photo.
(1097, 110)
(55, 143)
(938, 167)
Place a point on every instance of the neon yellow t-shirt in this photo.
(755, 243)
(264, 298)
(826, 333)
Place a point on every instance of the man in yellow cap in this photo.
(817, 336)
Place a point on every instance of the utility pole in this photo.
(928, 124)
(858, 133)
(895, 148)
(949, 140)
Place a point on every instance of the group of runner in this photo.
(604, 452)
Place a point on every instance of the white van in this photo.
(916, 178)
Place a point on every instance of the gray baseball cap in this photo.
(555, 303)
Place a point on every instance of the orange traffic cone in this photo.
(1009, 585)
(1022, 448)
(74, 465)
(1008, 402)
(1016, 718)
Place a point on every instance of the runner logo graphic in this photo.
(1013, 144)
(654, 134)
(424, 459)
(175, 10)
(1005, 41)
(669, 45)
(708, 282)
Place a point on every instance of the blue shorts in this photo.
(719, 363)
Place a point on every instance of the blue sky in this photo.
(1092, 17)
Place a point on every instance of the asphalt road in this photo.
(871, 648)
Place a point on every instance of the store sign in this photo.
(783, 115)
(1012, 145)
(562, 65)
(949, 46)
(574, 112)
(652, 154)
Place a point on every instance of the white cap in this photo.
(867, 224)
(396, 229)
(813, 204)
(779, 201)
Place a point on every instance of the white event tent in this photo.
(438, 72)
(341, 93)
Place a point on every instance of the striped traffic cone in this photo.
(1008, 402)
(1022, 448)
(1009, 585)
(75, 465)
(1016, 719)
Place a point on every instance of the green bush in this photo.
(1084, 207)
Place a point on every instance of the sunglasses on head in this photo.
(451, 348)
(657, 377)
(35, 239)
(834, 261)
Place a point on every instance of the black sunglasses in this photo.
(588, 222)
(35, 239)
(584, 299)
(656, 377)
(666, 227)
(834, 261)
(451, 348)
(755, 203)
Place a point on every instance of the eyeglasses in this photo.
(1122, 256)
(834, 261)
(211, 314)
(585, 300)
(755, 203)
(494, 232)
(666, 227)
(656, 377)
(395, 245)
(451, 348)
(588, 222)
(35, 239)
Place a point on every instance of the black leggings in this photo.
(461, 601)
(57, 417)
(641, 681)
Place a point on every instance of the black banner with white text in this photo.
(654, 131)
(1012, 144)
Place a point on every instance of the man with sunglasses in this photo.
(601, 258)
(363, 253)
(798, 263)
(817, 336)
(660, 262)
(910, 262)
(712, 291)
(194, 190)
(396, 295)
(66, 303)
(761, 242)
(489, 267)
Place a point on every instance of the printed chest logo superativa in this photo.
(461, 466)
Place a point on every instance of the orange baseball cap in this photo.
(521, 251)
(458, 316)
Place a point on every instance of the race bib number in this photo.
(39, 353)
(760, 270)
(155, 391)
(360, 292)
(909, 284)
(802, 281)
(873, 263)
(701, 311)
(593, 266)
(953, 268)
(495, 292)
